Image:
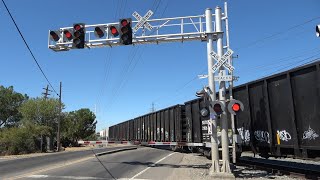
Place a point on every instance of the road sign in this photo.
(223, 78)
(226, 78)
(222, 61)
(142, 21)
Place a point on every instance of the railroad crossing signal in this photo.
(125, 31)
(235, 106)
(142, 21)
(218, 107)
(54, 35)
(318, 30)
(222, 61)
(99, 31)
(114, 30)
(79, 35)
(67, 34)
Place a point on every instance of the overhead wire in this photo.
(125, 75)
(264, 39)
(276, 62)
(28, 47)
(276, 34)
(296, 63)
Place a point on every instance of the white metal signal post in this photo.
(188, 28)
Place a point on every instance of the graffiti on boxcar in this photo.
(284, 135)
(172, 135)
(262, 136)
(166, 135)
(244, 134)
(310, 134)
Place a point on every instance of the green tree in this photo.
(40, 111)
(10, 101)
(77, 125)
(21, 140)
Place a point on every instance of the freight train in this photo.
(281, 117)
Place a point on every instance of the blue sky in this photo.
(263, 33)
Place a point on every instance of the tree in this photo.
(10, 101)
(78, 125)
(20, 140)
(40, 111)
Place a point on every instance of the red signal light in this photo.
(79, 33)
(67, 34)
(54, 36)
(124, 30)
(114, 31)
(76, 34)
(77, 27)
(98, 31)
(217, 108)
(236, 107)
(124, 22)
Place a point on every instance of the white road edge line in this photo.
(150, 167)
(62, 177)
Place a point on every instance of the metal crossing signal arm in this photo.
(188, 28)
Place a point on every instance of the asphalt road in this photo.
(17, 167)
(142, 163)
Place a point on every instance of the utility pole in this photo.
(46, 93)
(214, 140)
(59, 120)
(45, 96)
(152, 107)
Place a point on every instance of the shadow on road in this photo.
(151, 164)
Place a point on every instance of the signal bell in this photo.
(235, 106)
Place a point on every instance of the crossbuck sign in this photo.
(142, 21)
(222, 61)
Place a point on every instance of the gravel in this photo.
(316, 162)
(195, 166)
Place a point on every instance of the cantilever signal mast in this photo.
(141, 30)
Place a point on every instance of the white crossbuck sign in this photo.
(222, 61)
(142, 21)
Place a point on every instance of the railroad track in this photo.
(293, 169)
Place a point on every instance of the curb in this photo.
(114, 151)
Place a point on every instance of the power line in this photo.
(295, 63)
(277, 33)
(277, 62)
(126, 69)
(106, 76)
(25, 42)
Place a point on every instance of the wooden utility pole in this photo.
(46, 93)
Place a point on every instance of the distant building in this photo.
(104, 134)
